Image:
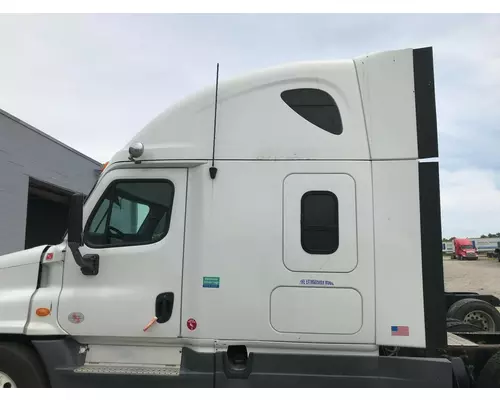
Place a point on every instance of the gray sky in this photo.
(93, 81)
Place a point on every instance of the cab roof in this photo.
(357, 109)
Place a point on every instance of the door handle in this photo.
(164, 306)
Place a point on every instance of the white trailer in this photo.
(298, 236)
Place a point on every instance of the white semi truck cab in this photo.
(279, 229)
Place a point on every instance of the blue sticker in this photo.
(211, 282)
(315, 282)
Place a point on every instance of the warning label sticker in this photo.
(211, 282)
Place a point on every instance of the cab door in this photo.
(134, 222)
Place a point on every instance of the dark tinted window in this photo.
(316, 106)
(131, 213)
(319, 222)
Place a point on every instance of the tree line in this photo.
(488, 236)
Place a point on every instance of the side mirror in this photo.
(89, 263)
(75, 218)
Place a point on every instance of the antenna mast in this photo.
(213, 169)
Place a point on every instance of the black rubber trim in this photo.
(197, 369)
(425, 103)
(432, 258)
(307, 371)
(39, 278)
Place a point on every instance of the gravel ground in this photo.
(481, 276)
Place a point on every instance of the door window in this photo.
(131, 213)
(320, 222)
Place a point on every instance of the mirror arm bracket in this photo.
(89, 263)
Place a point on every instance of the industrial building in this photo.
(38, 174)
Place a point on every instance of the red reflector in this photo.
(192, 324)
(49, 256)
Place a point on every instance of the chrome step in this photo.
(128, 370)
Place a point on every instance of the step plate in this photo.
(127, 370)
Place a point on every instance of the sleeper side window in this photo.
(319, 222)
(316, 106)
(131, 213)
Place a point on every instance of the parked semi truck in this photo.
(279, 229)
(464, 249)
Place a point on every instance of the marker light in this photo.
(42, 312)
(136, 150)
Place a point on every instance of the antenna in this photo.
(213, 169)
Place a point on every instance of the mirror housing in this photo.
(75, 219)
(89, 264)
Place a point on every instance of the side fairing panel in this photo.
(387, 89)
(398, 271)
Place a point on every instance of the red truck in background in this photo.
(464, 250)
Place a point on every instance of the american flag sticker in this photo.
(400, 330)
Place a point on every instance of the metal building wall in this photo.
(27, 152)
